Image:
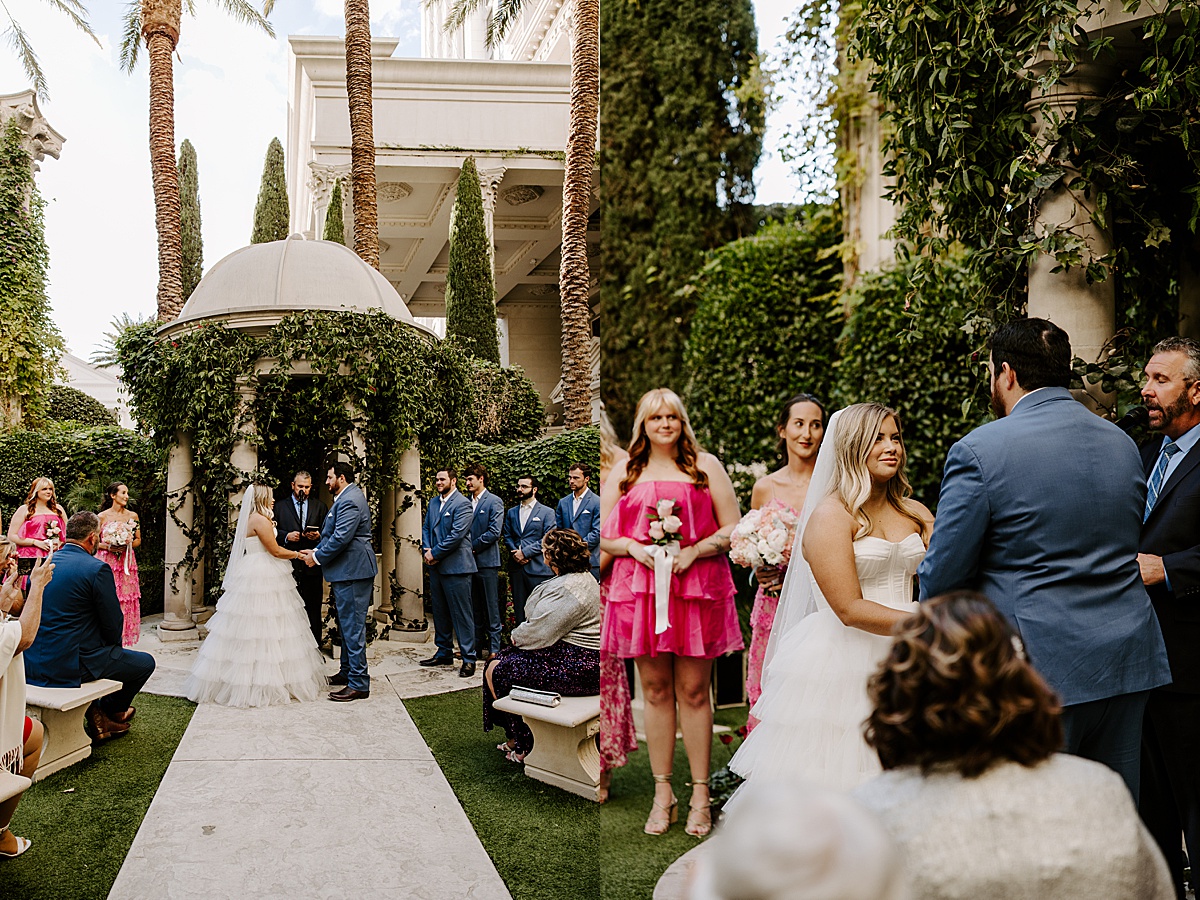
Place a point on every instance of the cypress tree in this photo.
(271, 213)
(189, 216)
(681, 132)
(470, 290)
(335, 224)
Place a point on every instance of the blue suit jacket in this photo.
(1041, 511)
(586, 524)
(529, 541)
(485, 530)
(447, 534)
(345, 552)
(81, 622)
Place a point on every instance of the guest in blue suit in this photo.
(486, 523)
(580, 512)
(347, 560)
(524, 526)
(446, 542)
(80, 635)
(1041, 511)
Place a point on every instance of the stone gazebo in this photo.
(252, 290)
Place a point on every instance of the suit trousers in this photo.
(485, 593)
(522, 584)
(353, 602)
(452, 615)
(1170, 803)
(311, 586)
(132, 668)
(1109, 731)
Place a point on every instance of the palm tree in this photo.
(157, 23)
(362, 131)
(577, 187)
(73, 10)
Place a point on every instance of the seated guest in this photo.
(80, 637)
(973, 791)
(557, 648)
(20, 736)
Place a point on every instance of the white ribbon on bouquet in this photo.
(662, 554)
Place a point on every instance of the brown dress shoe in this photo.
(102, 728)
(347, 694)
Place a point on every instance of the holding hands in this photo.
(309, 559)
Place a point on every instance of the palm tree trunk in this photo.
(362, 131)
(577, 196)
(160, 28)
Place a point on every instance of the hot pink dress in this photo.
(129, 591)
(34, 529)
(762, 617)
(703, 617)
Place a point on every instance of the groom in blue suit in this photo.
(446, 543)
(347, 560)
(1041, 511)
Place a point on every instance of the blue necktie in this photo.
(1158, 475)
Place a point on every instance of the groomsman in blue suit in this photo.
(446, 542)
(347, 560)
(1041, 511)
(524, 526)
(580, 512)
(486, 524)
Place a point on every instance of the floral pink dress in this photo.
(618, 735)
(762, 617)
(701, 608)
(129, 591)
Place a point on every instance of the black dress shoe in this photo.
(347, 694)
(437, 661)
(467, 670)
(338, 680)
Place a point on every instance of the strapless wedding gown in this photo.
(259, 650)
(814, 698)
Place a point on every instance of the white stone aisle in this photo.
(312, 800)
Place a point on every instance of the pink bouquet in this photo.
(118, 536)
(764, 537)
(665, 525)
(53, 534)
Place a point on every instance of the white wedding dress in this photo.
(814, 698)
(259, 650)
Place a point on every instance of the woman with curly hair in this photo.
(974, 791)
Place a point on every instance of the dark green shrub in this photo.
(271, 213)
(68, 404)
(506, 406)
(548, 459)
(189, 217)
(335, 223)
(470, 289)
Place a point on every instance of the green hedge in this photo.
(506, 406)
(548, 459)
(81, 462)
(67, 404)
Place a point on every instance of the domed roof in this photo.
(260, 284)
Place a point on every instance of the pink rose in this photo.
(656, 531)
(664, 508)
(672, 524)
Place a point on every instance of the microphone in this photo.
(1135, 418)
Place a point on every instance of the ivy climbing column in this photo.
(177, 624)
(409, 606)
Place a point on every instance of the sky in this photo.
(230, 100)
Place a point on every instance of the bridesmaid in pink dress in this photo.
(800, 428)
(618, 736)
(40, 525)
(673, 653)
(121, 559)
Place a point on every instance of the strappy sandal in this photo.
(700, 827)
(655, 824)
(514, 756)
(23, 844)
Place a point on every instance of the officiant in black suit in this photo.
(1169, 556)
(298, 520)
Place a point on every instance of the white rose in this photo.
(656, 531)
(777, 540)
(672, 524)
(665, 508)
(773, 557)
(753, 560)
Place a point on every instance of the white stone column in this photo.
(489, 183)
(178, 584)
(321, 182)
(409, 606)
(1087, 312)
(244, 456)
(388, 548)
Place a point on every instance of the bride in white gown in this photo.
(259, 650)
(861, 539)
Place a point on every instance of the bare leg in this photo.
(32, 753)
(692, 680)
(657, 674)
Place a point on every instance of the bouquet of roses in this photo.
(118, 535)
(764, 537)
(53, 533)
(665, 525)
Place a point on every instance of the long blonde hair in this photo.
(31, 500)
(687, 449)
(262, 501)
(858, 426)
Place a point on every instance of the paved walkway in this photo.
(308, 800)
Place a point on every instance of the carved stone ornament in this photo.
(391, 191)
(544, 290)
(522, 193)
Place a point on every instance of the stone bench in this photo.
(61, 712)
(11, 785)
(564, 747)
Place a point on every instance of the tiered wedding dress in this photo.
(259, 650)
(814, 698)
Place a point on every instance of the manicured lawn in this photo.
(83, 819)
(543, 841)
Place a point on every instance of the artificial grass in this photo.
(542, 840)
(83, 819)
(631, 862)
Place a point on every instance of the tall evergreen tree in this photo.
(335, 222)
(189, 218)
(30, 344)
(470, 289)
(680, 135)
(271, 213)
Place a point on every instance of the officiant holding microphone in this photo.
(298, 520)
